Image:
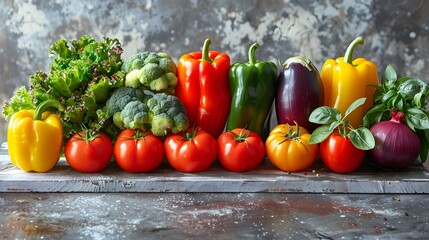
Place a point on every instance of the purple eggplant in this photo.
(299, 92)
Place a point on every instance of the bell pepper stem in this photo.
(206, 51)
(41, 108)
(348, 56)
(252, 58)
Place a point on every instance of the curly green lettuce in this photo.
(21, 100)
(82, 76)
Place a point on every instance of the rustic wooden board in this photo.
(266, 178)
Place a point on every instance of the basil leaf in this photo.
(424, 144)
(389, 77)
(416, 118)
(324, 115)
(320, 134)
(419, 100)
(378, 94)
(389, 95)
(409, 87)
(362, 138)
(374, 115)
(354, 105)
(396, 102)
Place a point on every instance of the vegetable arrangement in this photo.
(144, 109)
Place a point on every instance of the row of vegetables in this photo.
(92, 105)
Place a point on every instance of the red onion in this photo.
(396, 145)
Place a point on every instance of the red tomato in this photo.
(88, 154)
(240, 150)
(190, 151)
(136, 151)
(340, 155)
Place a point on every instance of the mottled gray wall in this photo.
(396, 32)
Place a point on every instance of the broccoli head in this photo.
(167, 114)
(132, 109)
(135, 115)
(151, 71)
(121, 97)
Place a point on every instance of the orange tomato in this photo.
(288, 149)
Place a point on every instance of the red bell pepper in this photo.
(203, 88)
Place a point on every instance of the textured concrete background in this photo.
(396, 32)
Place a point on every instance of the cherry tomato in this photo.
(240, 150)
(288, 149)
(87, 153)
(190, 151)
(340, 155)
(136, 151)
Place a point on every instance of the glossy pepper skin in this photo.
(253, 88)
(34, 138)
(203, 88)
(346, 80)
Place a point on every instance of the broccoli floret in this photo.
(132, 108)
(135, 61)
(121, 97)
(132, 78)
(167, 114)
(134, 115)
(152, 71)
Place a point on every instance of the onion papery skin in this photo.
(396, 145)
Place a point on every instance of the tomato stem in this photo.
(88, 134)
(189, 134)
(294, 135)
(138, 134)
(241, 137)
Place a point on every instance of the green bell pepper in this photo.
(253, 88)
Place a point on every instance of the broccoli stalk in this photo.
(150, 71)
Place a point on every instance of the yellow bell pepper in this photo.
(345, 80)
(34, 138)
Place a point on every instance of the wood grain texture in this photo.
(266, 178)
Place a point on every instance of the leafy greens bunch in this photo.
(82, 76)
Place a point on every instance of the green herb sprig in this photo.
(331, 120)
